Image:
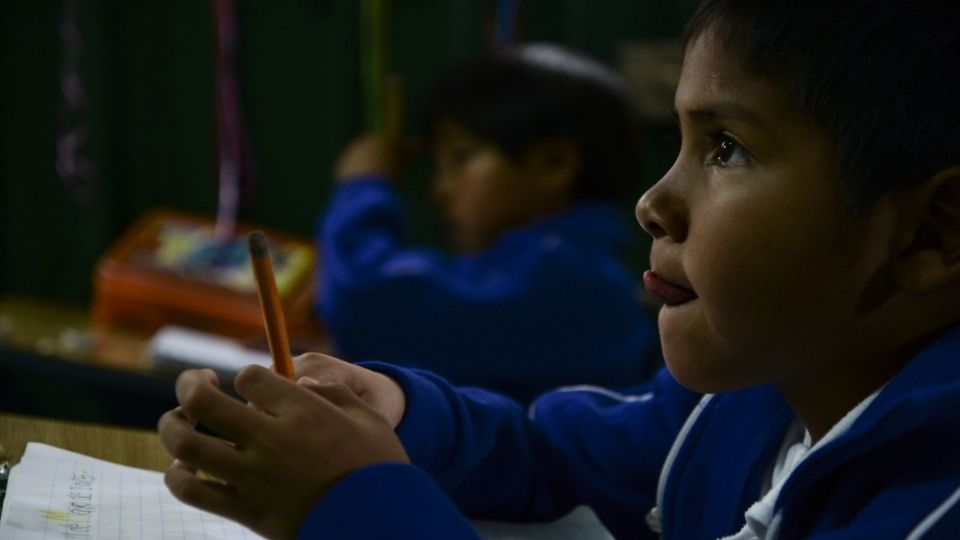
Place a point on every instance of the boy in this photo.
(807, 252)
(534, 149)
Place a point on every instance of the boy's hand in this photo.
(284, 453)
(379, 391)
(374, 154)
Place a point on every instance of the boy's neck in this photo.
(821, 401)
(820, 409)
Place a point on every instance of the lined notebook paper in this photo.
(581, 524)
(57, 494)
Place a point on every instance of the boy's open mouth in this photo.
(666, 292)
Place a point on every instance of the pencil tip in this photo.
(257, 242)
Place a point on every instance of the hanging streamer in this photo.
(374, 56)
(78, 175)
(505, 23)
(235, 167)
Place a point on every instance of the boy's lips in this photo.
(666, 292)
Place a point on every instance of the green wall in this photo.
(148, 72)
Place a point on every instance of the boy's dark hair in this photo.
(881, 76)
(517, 97)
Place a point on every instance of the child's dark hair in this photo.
(516, 97)
(881, 76)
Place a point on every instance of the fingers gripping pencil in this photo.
(270, 304)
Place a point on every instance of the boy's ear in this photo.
(556, 162)
(930, 254)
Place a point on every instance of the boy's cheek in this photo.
(699, 358)
(742, 294)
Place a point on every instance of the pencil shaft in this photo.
(272, 310)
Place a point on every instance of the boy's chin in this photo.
(466, 248)
(704, 375)
(467, 244)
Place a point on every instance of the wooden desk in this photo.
(132, 447)
(66, 331)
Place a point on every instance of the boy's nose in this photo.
(661, 213)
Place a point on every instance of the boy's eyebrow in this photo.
(727, 110)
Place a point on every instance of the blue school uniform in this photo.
(547, 305)
(661, 459)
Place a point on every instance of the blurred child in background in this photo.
(534, 151)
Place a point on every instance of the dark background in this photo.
(147, 69)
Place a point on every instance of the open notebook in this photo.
(56, 494)
(53, 493)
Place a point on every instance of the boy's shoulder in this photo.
(896, 464)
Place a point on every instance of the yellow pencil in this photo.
(270, 304)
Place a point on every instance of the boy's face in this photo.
(771, 274)
(481, 192)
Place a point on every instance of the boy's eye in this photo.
(726, 152)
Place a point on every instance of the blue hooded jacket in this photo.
(548, 304)
(661, 459)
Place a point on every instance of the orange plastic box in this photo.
(168, 268)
